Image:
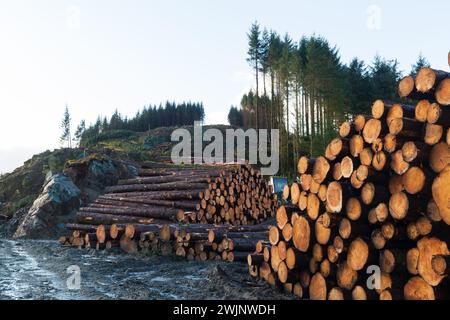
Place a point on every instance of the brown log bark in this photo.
(170, 186)
(406, 127)
(153, 212)
(108, 219)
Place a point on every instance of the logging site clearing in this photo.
(38, 270)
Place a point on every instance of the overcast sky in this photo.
(100, 55)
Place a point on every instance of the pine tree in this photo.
(65, 126)
(254, 56)
(80, 131)
(421, 62)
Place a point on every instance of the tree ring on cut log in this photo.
(372, 130)
(353, 209)
(439, 157)
(398, 205)
(301, 234)
(406, 86)
(441, 193)
(334, 196)
(414, 180)
(428, 248)
(359, 122)
(358, 254)
(421, 111)
(443, 92)
(318, 287)
(418, 289)
(425, 80)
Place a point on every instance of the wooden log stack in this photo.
(377, 201)
(191, 241)
(163, 211)
(239, 197)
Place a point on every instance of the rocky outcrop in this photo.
(92, 175)
(83, 181)
(57, 204)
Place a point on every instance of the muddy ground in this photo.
(38, 270)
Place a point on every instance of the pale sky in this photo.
(100, 55)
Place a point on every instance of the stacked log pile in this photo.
(370, 219)
(162, 211)
(241, 197)
(193, 241)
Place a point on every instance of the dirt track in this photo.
(38, 270)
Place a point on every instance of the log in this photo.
(305, 165)
(441, 194)
(398, 164)
(441, 264)
(170, 186)
(366, 156)
(358, 254)
(407, 89)
(346, 129)
(81, 227)
(301, 234)
(438, 115)
(372, 130)
(321, 169)
(157, 195)
(421, 112)
(439, 157)
(406, 127)
(356, 145)
(427, 79)
(414, 180)
(443, 93)
(428, 248)
(108, 219)
(433, 134)
(359, 122)
(346, 277)
(346, 167)
(318, 287)
(335, 197)
(418, 289)
(150, 212)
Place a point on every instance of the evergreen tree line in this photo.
(150, 117)
(306, 91)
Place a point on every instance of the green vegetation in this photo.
(149, 118)
(307, 91)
